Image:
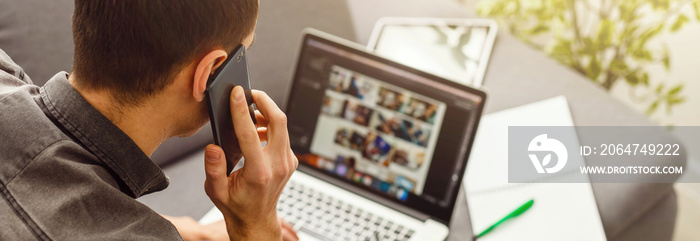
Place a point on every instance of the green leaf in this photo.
(618, 66)
(682, 19)
(539, 29)
(645, 79)
(676, 100)
(642, 54)
(490, 8)
(590, 46)
(659, 88)
(649, 33)
(666, 59)
(558, 5)
(605, 32)
(637, 43)
(675, 90)
(561, 47)
(673, 100)
(632, 79)
(668, 104)
(660, 4)
(541, 14)
(696, 6)
(631, 28)
(594, 68)
(624, 11)
(652, 108)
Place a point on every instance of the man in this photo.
(75, 153)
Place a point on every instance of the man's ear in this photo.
(205, 68)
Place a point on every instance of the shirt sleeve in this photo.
(11, 73)
(68, 195)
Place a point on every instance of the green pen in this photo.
(513, 214)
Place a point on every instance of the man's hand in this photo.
(248, 197)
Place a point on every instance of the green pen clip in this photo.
(520, 210)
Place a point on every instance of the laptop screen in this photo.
(380, 126)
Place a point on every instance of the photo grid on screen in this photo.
(376, 134)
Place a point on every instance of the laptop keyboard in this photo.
(333, 219)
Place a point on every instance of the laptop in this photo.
(382, 147)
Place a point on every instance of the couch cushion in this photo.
(37, 35)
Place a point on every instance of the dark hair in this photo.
(135, 48)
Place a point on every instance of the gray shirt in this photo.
(66, 171)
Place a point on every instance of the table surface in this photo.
(516, 75)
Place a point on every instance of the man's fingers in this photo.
(285, 224)
(276, 119)
(277, 133)
(262, 126)
(216, 184)
(262, 134)
(288, 233)
(245, 129)
(260, 119)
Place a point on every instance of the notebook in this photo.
(562, 211)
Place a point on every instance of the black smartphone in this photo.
(233, 72)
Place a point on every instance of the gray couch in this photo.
(37, 35)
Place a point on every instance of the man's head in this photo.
(138, 50)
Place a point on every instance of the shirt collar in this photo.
(101, 137)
